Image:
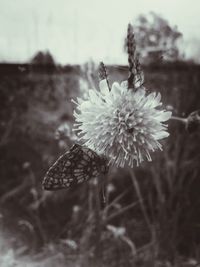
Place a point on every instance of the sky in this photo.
(76, 31)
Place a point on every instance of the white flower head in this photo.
(122, 124)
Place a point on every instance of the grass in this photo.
(152, 215)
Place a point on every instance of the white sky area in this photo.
(75, 31)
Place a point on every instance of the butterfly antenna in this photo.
(103, 74)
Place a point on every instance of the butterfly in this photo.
(77, 165)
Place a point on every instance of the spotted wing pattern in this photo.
(74, 167)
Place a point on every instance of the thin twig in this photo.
(184, 120)
(98, 224)
(116, 200)
(138, 192)
(130, 244)
(121, 211)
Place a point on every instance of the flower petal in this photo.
(104, 87)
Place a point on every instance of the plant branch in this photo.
(184, 120)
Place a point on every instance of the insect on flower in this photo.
(122, 124)
(77, 165)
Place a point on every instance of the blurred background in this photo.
(49, 54)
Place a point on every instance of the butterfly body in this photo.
(77, 165)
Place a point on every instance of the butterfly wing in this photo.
(75, 166)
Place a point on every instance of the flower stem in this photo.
(140, 198)
(98, 224)
(184, 120)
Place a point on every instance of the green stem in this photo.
(98, 224)
(138, 192)
(121, 211)
(184, 120)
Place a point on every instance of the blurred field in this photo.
(153, 215)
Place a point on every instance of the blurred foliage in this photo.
(152, 217)
(156, 39)
(43, 58)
